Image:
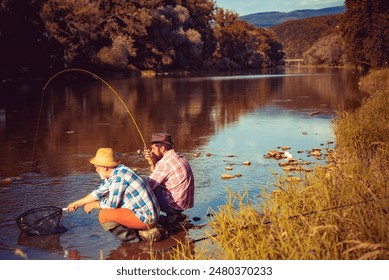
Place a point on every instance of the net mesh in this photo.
(41, 221)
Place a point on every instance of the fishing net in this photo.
(41, 221)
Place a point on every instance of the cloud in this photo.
(320, 3)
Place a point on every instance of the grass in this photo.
(377, 80)
(338, 211)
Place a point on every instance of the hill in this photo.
(297, 36)
(269, 19)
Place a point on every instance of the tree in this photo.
(202, 15)
(328, 50)
(181, 35)
(366, 33)
(271, 47)
(242, 45)
(73, 23)
(125, 32)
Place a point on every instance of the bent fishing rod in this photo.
(105, 83)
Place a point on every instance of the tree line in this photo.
(41, 36)
(37, 36)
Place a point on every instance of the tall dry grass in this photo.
(377, 80)
(339, 211)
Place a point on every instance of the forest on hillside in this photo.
(298, 36)
(360, 36)
(115, 35)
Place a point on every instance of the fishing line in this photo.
(34, 145)
(109, 87)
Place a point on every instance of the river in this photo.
(216, 121)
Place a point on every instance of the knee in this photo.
(104, 216)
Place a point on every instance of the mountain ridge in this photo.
(269, 19)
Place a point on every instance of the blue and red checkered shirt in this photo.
(126, 189)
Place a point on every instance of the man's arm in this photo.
(72, 207)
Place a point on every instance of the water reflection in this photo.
(146, 250)
(49, 243)
(240, 116)
(77, 118)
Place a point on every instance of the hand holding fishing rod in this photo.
(149, 156)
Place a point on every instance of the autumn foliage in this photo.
(359, 37)
(131, 35)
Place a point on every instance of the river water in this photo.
(47, 137)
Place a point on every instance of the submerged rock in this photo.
(275, 154)
(9, 180)
(315, 153)
(5, 181)
(314, 113)
(227, 176)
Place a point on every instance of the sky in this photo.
(257, 6)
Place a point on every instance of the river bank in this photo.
(338, 211)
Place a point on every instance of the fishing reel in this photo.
(141, 153)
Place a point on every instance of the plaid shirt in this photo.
(174, 174)
(126, 189)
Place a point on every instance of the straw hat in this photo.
(161, 138)
(105, 157)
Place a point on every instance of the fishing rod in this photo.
(54, 212)
(105, 83)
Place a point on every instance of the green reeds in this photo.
(338, 211)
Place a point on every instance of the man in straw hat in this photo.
(171, 178)
(126, 201)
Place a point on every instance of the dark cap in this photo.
(162, 138)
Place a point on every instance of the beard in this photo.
(157, 157)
